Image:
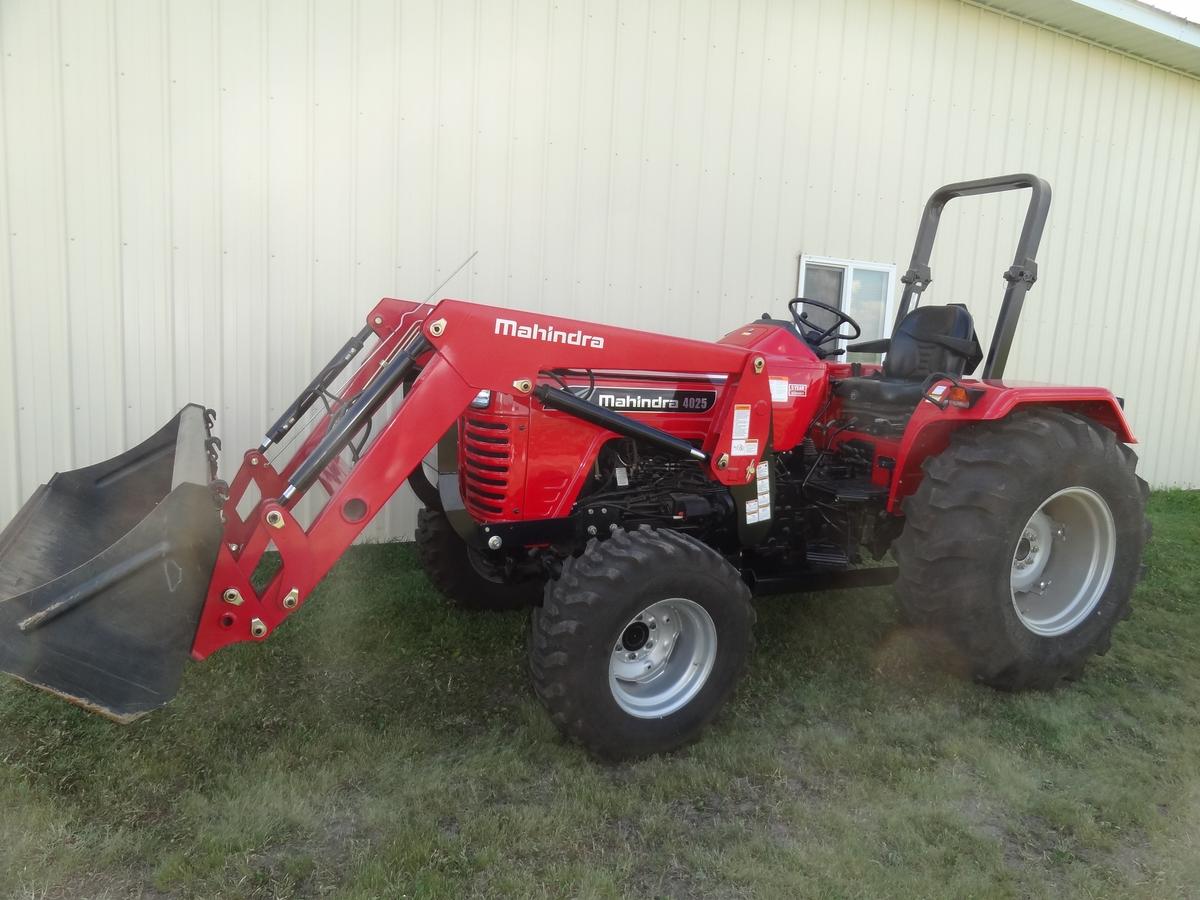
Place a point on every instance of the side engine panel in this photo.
(498, 441)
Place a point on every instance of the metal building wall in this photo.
(201, 199)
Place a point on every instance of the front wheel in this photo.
(466, 576)
(1022, 547)
(640, 642)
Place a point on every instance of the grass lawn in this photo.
(381, 745)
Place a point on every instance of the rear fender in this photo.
(930, 428)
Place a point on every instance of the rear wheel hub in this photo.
(1062, 561)
(635, 636)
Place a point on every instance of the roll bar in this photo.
(1020, 276)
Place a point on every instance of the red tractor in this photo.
(636, 490)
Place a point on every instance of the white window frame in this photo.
(889, 309)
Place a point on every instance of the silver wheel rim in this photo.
(662, 658)
(1062, 562)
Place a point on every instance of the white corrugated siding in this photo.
(201, 200)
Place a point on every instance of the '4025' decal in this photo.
(654, 400)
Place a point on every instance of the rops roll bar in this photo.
(1020, 276)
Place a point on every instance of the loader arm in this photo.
(112, 575)
(456, 349)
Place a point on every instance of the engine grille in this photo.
(486, 456)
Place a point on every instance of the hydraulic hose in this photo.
(353, 417)
(316, 388)
(565, 401)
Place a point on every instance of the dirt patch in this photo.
(1130, 860)
(988, 823)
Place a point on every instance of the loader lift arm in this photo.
(458, 349)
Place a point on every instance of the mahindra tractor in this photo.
(635, 490)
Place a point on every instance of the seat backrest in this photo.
(933, 339)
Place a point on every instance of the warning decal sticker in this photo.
(779, 388)
(741, 421)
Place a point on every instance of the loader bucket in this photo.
(104, 571)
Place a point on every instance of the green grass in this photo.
(381, 745)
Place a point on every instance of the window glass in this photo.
(822, 283)
(863, 289)
(868, 306)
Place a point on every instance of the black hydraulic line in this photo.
(355, 415)
(565, 401)
(316, 388)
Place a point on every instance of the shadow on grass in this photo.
(382, 745)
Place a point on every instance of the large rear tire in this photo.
(463, 576)
(1022, 547)
(639, 642)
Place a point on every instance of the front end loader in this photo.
(104, 571)
(635, 489)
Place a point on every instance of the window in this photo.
(863, 290)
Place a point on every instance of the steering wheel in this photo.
(815, 336)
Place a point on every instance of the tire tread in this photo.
(582, 595)
(948, 542)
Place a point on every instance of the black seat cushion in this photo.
(929, 339)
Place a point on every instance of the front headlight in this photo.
(482, 400)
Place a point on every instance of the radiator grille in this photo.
(486, 453)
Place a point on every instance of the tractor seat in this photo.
(930, 339)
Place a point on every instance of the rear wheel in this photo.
(469, 578)
(640, 642)
(1022, 547)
